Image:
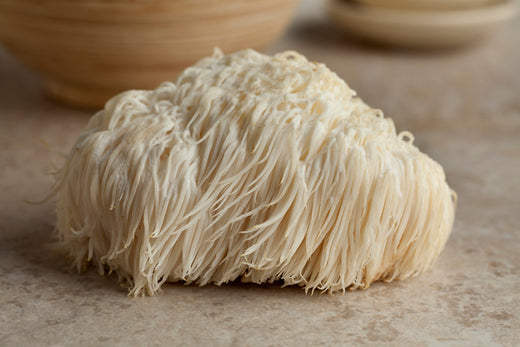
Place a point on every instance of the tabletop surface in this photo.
(463, 107)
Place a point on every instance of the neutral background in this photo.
(463, 107)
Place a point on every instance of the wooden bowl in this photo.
(420, 28)
(90, 50)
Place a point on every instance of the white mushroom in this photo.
(253, 167)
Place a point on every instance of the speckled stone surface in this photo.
(463, 107)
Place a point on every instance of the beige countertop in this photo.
(463, 107)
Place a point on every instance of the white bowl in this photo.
(428, 4)
(420, 28)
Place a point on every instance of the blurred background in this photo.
(448, 71)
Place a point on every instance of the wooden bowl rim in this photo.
(127, 3)
(157, 11)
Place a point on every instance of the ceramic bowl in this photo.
(90, 50)
(428, 4)
(420, 28)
